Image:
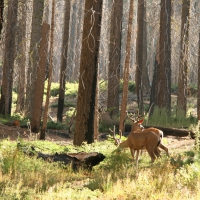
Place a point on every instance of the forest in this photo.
(77, 76)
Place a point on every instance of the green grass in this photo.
(24, 177)
(160, 118)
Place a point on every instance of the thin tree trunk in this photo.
(1, 15)
(63, 71)
(198, 89)
(22, 58)
(114, 58)
(41, 72)
(45, 116)
(9, 57)
(139, 55)
(126, 69)
(183, 65)
(38, 7)
(145, 73)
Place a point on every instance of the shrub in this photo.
(71, 89)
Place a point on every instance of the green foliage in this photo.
(160, 118)
(67, 103)
(104, 127)
(70, 112)
(71, 89)
(54, 89)
(132, 87)
(56, 125)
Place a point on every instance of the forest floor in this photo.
(175, 144)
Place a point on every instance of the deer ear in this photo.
(140, 121)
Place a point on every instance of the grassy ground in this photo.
(24, 177)
(116, 178)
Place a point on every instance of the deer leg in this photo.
(137, 157)
(132, 153)
(151, 153)
(157, 152)
(164, 148)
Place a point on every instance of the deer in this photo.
(138, 128)
(137, 125)
(138, 140)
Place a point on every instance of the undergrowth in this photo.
(25, 177)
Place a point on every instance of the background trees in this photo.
(162, 57)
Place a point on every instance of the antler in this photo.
(133, 117)
(117, 141)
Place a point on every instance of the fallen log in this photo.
(175, 131)
(76, 160)
(167, 131)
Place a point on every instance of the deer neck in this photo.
(124, 144)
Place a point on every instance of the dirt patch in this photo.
(13, 133)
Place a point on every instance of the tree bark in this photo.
(145, 73)
(139, 55)
(126, 69)
(1, 15)
(163, 84)
(21, 45)
(41, 72)
(183, 65)
(45, 115)
(63, 71)
(9, 58)
(198, 88)
(114, 58)
(84, 127)
(38, 7)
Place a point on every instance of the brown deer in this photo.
(137, 125)
(138, 140)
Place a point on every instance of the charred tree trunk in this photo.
(84, 128)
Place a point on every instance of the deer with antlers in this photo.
(140, 138)
(137, 125)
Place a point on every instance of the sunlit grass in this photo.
(24, 177)
(160, 118)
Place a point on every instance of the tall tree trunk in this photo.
(114, 58)
(63, 65)
(139, 55)
(41, 72)
(145, 73)
(163, 84)
(38, 7)
(9, 57)
(198, 89)
(79, 27)
(183, 65)
(22, 58)
(46, 109)
(126, 68)
(1, 15)
(84, 127)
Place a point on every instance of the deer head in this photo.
(137, 121)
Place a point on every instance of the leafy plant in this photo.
(56, 125)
